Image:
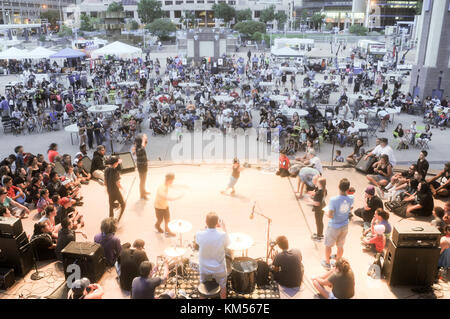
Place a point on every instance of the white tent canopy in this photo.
(14, 54)
(118, 49)
(40, 53)
(287, 52)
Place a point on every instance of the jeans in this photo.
(366, 215)
(116, 196)
(341, 138)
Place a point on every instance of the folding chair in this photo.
(364, 134)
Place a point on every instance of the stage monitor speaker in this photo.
(418, 236)
(89, 256)
(365, 166)
(59, 168)
(7, 278)
(10, 227)
(409, 266)
(128, 164)
(87, 163)
(16, 254)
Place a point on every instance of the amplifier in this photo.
(7, 278)
(10, 227)
(88, 256)
(365, 166)
(128, 164)
(416, 236)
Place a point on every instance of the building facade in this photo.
(29, 11)
(430, 75)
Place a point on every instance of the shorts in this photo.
(232, 182)
(306, 177)
(336, 236)
(220, 278)
(379, 178)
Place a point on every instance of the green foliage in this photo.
(224, 11)
(419, 7)
(189, 19)
(248, 28)
(281, 18)
(42, 38)
(51, 16)
(358, 29)
(243, 15)
(268, 14)
(317, 19)
(329, 26)
(134, 25)
(65, 32)
(162, 28)
(88, 23)
(257, 36)
(115, 7)
(149, 10)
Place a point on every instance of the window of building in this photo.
(168, 3)
(166, 14)
(129, 14)
(200, 1)
(221, 1)
(179, 2)
(232, 3)
(94, 14)
(211, 1)
(190, 2)
(177, 14)
(257, 14)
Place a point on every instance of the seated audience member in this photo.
(383, 171)
(43, 201)
(129, 261)
(400, 183)
(284, 165)
(144, 286)
(377, 240)
(49, 219)
(14, 207)
(108, 240)
(422, 203)
(83, 289)
(444, 259)
(371, 204)
(66, 209)
(42, 240)
(381, 217)
(287, 265)
(446, 217)
(338, 157)
(65, 236)
(441, 188)
(340, 279)
(438, 222)
(98, 163)
(4, 212)
(358, 152)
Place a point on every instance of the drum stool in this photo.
(209, 289)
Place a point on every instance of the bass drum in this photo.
(243, 275)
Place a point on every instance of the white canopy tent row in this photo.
(40, 53)
(14, 54)
(286, 52)
(118, 49)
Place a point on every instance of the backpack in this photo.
(262, 273)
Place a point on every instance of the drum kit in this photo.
(241, 270)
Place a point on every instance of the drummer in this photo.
(212, 244)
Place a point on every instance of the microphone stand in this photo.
(37, 275)
(269, 222)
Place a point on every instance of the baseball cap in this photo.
(379, 229)
(64, 201)
(370, 190)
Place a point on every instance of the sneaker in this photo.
(170, 234)
(380, 192)
(333, 256)
(316, 237)
(325, 264)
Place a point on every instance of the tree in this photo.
(115, 7)
(149, 10)
(268, 14)
(358, 29)
(51, 16)
(317, 19)
(248, 28)
(281, 18)
(243, 15)
(134, 25)
(65, 32)
(86, 23)
(162, 28)
(419, 7)
(224, 11)
(188, 19)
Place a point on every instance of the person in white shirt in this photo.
(352, 132)
(383, 115)
(314, 161)
(383, 148)
(212, 244)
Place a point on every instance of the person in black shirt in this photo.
(65, 236)
(129, 262)
(422, 163)
(318, 204)
(287, 266)
(144, 286)
(422, 204)
(98, 166)
(141, 162)
(54, 184)
(112, 181)
(42, 242)
(372, 203)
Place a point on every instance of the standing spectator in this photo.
(52, 152)
(339, 210)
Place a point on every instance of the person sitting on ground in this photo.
(98, 163)
(438, 222)
(446, 217)
(371, 204)
(14, 207)
(422, 203)
(442, 188)
(399, 183)
(340, 279)
(109, 241)
(83, 289)
(65, 236)
(66, 209)
(377, 240)
(49, 219)
(380, 149)
(4, 212)
(129, 261)
(338, 157)
(381, 217)
(43, 243)
(284, 165)
(444, 259)
(358, 152)
(383, 171)
(144, 286)
(287, 265)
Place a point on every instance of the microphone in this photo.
(252, 214)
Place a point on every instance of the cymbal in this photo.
(240, 241)
(175, 251)
(180, 226)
